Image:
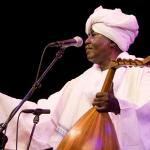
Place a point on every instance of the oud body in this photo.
(94, 130)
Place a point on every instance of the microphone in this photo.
(37, 111)
(76, 41)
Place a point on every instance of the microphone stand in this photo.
(36, 85)
(35, 121)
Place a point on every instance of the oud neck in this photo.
(108, 80)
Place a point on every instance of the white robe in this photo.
(131, 87)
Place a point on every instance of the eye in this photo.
(93, 34)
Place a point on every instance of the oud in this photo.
(94, 130)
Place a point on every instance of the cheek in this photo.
(98, 51)
(100, 54)
(100, 43)
(101, 49)
(96, 45)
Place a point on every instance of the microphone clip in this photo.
(37, 111)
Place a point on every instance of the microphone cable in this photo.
(17, 129)
(40, 64)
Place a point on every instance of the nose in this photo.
(88, 40)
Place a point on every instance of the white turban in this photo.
(115, 25)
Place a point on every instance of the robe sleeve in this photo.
(133, 128)
(45, 127)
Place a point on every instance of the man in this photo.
(110, 34)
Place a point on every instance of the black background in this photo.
(27, 27)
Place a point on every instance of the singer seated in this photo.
(110, 34)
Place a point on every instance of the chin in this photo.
(91, 60)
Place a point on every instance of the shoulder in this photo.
(89, 73)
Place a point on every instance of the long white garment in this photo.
(131, 87)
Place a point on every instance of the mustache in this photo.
(89, 46)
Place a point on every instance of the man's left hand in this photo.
(106, 102)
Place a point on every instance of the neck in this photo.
(106, 63)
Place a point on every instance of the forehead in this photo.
(99, 35)
(96, 33)
(93, 32)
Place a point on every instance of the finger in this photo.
(102, 98)
(101, 109)
(101, 94)
(100, 103)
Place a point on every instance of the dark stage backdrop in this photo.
(27, 27)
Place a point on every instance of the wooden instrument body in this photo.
(97, 133)
(94, 130)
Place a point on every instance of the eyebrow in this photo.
(93, 32)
